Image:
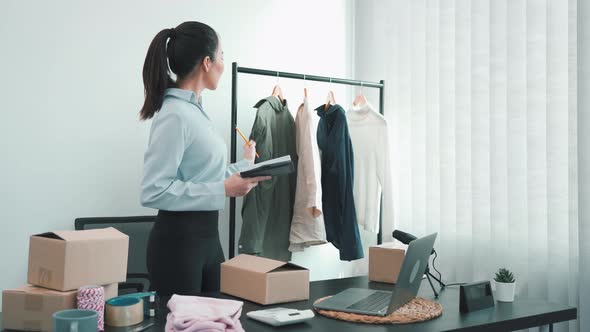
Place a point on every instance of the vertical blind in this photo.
(482, 100)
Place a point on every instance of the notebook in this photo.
(278, 166)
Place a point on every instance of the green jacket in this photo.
(267, 209)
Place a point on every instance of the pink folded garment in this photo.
(203, 314)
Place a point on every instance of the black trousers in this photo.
(184, 253)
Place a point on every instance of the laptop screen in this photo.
(411, 272)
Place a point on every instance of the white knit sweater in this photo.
(372, 168)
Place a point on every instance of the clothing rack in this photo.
(234, 122)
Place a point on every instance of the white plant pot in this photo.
(505, 291)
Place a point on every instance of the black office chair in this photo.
(138, 229)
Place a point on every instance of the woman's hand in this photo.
(250, 151)
(236, 186)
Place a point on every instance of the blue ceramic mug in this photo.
(75, 320)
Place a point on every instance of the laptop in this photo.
(382, 303)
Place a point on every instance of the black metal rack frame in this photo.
(234, 124)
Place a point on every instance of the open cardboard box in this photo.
(263, 280)
(67, 260)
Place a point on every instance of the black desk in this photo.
(522, 313)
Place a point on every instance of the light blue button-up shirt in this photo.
(185, 164)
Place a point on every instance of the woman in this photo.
(185, 166)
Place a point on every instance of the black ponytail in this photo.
(156, 77)
(189, 44)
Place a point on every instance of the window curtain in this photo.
(482, 101)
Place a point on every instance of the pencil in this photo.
(246, 140)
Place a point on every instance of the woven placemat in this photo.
(417, 310)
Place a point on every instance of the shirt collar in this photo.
(274, 102)
(360, 112)
(186, 95)
(321, 110)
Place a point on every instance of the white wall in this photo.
(71, 88)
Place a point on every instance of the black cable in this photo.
(434, 266)
(440, 275)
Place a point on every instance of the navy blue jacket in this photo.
(337, 182)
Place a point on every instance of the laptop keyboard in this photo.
(374, 302)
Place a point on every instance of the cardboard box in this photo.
(385, 261)
(30, 308)
(66, 260)
(111, 290)
(263, 280)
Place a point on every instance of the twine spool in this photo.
(92, 298)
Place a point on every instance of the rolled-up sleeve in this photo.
(160, 186)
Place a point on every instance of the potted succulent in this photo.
(505, 285)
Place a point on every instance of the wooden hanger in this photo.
(304, 87)
(276, 91)
(330, 99)
(360, 98)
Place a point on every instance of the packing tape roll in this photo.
(124, 311)
(149, 302)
